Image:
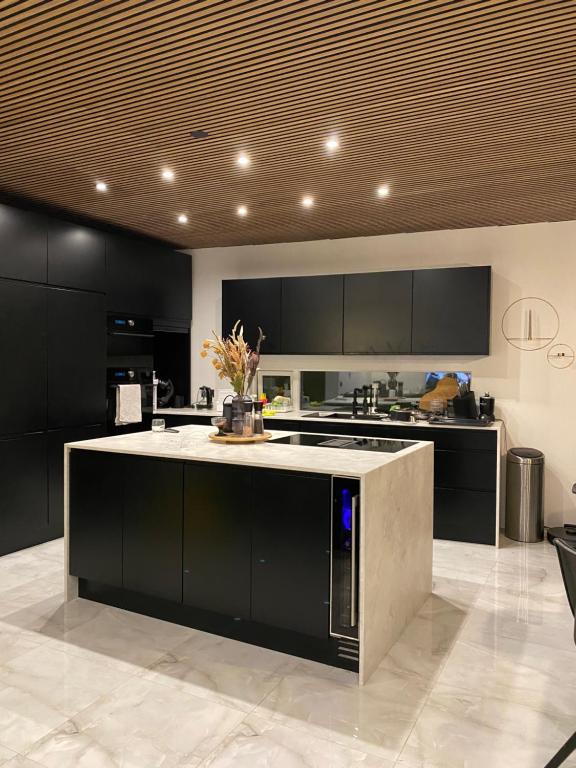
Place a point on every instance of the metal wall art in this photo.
(560, 356)
(530, 324)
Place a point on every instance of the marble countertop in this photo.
(192, 443)
(302, 415)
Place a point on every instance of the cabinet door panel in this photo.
(23, 355)
(465, 515)
(146, 278)
(76, 358)
(312, 314)
(255, 303)
(76, 256)
(217, 539)
(22, 244)
(378, 313)
(475, 471)
(451, 311)
(153, 527)
(96, 496)
(23, 504)
(56, 442)
(291, 552)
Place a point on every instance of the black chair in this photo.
(567, 557)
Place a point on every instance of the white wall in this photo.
(535, 400)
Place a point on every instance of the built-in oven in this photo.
(345, 563)
(130, 360)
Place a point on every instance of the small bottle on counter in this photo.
(258, 421)
(248, 428)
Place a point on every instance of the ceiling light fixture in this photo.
(199, 133)
(242, 211)
(383, 190)
(243, 160)
(101, 186)
(332, 144)
(307, 201)
(182, 219)
(167, 174)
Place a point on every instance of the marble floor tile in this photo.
(24, 719)
(375, 718)
(15, 641)
(258, 743)
(122, 638)
(6, 755)
(140, 725)
(220, 669)
(59, 680)
(463, 729)
(20, 762)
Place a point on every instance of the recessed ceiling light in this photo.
(383, 190)
(182, 219)
(307, 201)
(101, 186)
(242, 211)
(199, 134)
(243, 160)
(167, 174)
(332, 144)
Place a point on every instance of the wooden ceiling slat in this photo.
(465, 108)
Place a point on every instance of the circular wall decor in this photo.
(560, 356)
(530, 324)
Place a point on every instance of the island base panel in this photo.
(332, 651)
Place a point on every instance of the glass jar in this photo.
(258, 421)
(247, 431)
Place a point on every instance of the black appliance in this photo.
(377, 444)
(129, 360)
(344, 561)
(487, 406)
(465, 406)
(206, 397)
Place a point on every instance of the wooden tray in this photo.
(216, 438)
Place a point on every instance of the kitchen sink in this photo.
(358, 417)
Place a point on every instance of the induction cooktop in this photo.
(377, 444)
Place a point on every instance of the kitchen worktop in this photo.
(191, 443)
(304, 416)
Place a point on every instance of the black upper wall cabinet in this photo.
(23, 245)
(378, 313)
(76, 256)
(22, 357)
(312, 310)
(76, 358)
(427, 311)
(451, 311)
(255, 303)
(143, 278)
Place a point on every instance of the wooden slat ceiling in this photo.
(466, 109)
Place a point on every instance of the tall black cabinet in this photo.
(56, 280)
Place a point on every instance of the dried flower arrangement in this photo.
(233, 358)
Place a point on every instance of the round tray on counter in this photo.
(216, 438)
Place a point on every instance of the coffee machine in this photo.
(205, 398)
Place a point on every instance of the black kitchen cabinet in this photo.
(152, 550)
(378, 313)
(22, 357)
(217, 538)
(462, 515)
(56, 442)
(76, 256)
(76, 358)
(312, 312)
(23, 244)
(145, 278)
(256, 303)
(24, 507)
(291, 551)
(451, 311)
(96, 499)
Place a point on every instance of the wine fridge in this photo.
(344, 558)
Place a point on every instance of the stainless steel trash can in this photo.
(524, 494)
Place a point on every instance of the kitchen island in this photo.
(319, 548)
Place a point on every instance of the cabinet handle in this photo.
(353, 584)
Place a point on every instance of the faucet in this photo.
(357, 391)
(365, 404)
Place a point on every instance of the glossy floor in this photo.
(484, 677)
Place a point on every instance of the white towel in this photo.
(128, 404)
